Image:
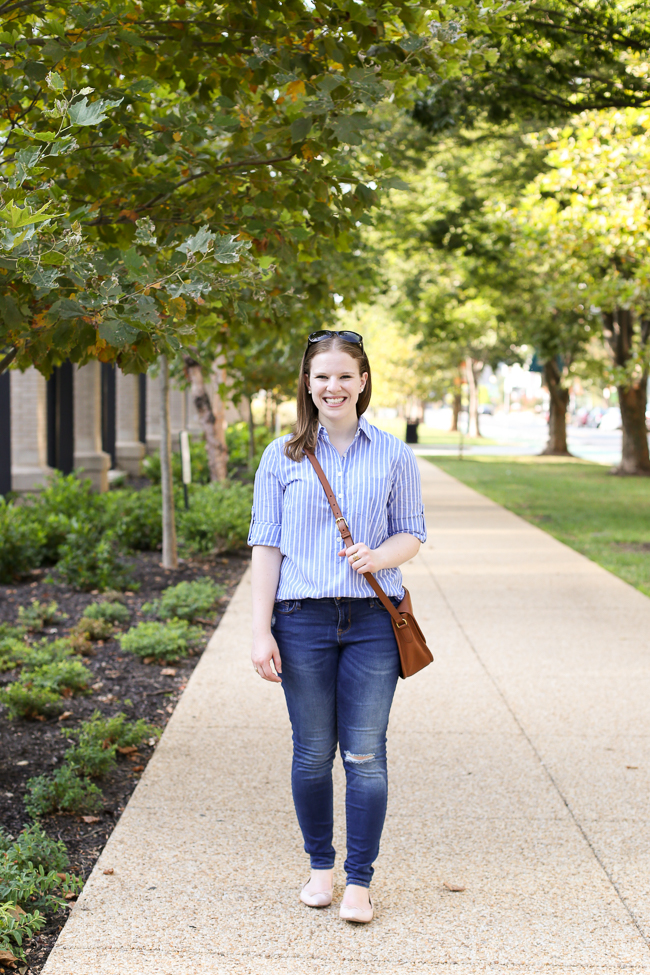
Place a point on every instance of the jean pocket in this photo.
(286, 606)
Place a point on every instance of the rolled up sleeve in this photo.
(266, 514)
(405, 508)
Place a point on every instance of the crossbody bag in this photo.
(414, 653)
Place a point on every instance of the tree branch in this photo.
(8, 359)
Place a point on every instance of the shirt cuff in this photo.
(265, 533)
(410, 526)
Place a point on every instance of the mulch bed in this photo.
(122, 683)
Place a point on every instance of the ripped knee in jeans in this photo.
(357, 759)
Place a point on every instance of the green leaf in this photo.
(55, 81)
(53, 257)
(9, 311)
(82, 113)
(200, 242)
(394, 183)
(117, 333)
(228, 249)
(300, 128)
(348, 128)
(24, 216)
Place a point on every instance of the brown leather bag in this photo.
(414, 653)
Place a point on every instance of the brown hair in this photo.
(305, 431)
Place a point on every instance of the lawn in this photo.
(607, 518)
(430, 435)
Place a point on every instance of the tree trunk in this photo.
(632, 396)
(473, 369)
(169, 552)
(251, 432)
(207, 419)
(455, 413)
(633, 402)
(219, 409)
(559, 402)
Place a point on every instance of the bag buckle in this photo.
(344, 522)
(403, 623)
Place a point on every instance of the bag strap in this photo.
(346, 535)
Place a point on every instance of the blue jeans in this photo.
(340, 665)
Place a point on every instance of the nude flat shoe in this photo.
(323, 898)
(359, 915)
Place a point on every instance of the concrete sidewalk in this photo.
(519, 769)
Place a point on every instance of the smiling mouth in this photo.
(333, 400)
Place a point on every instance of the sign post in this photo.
(186, 464)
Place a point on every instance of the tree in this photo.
(553, 60)
(224, 123)
(589, 218)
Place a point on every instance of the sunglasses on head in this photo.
(323, 333)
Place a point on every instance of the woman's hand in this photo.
(265, 650)
(362, 558)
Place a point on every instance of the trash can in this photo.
(412, 431)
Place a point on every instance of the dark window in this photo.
(108, 410)
(60, 419)
(5, 432)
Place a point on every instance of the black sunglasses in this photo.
(323, 333)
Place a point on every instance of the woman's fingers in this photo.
(277, 662)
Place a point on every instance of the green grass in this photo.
(428, 435)
(606, 518)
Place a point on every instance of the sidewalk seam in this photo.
(535, 752)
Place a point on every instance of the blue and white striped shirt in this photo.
(377, 485)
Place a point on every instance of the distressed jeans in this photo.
(340, 665)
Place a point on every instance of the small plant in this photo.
(162, 641)
(92, 628)
(24, 701)
(65, 791)
(12, 652)
(16, 926)
(60, 676)
(37, 616)
(111, 612)
(40, 687)
(137, 518)
(100, 738)
(36, 847)
(187, 600)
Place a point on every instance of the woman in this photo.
(317, 626)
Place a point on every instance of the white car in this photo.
(611, 419)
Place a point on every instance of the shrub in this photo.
(199, 459)
(22, 541)
(44, 651)
(187, 600)
(64, 790)
(38, 615)
(237, 442)
(89, 559)
(111, 612)
(218, 519)
(24, 701)
(32, 880)
(137, 518)
(65, 499)
(162, 641)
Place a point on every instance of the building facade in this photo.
(90, 418)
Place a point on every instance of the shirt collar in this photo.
(362, 427)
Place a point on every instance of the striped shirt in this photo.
(377, 486)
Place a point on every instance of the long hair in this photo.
(305, 430)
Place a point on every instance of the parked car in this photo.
(595, 416)
(611, 419)
(581, 416)
(486, 409)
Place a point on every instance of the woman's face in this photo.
(335, 384)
